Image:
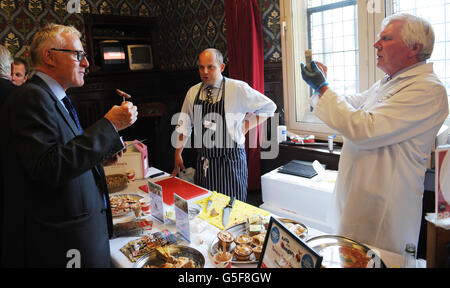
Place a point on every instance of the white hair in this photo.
(5, 62)
(49, 37)
(415, 30)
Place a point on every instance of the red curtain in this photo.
(246, 63)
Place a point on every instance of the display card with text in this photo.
(182, 216)
(156, 201)
(442, 182)
(283, 249)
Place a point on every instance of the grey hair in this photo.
(217, 53)
(5, 62)
(50, 35)
(416, 30)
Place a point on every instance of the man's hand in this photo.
(113, 159)
(178, 164)
(316, 77)
(252, 120)
(122, 116)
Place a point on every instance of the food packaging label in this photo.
(133, 163)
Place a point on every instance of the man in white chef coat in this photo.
(388, 134)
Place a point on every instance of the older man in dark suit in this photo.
(6, 86)
(56, 208)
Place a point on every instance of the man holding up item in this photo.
(388, 135)
(222, 111)
(56, 206)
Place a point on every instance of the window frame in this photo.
(369, 22)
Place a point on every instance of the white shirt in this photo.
(54, 86)
(388, 135)
(240, 99)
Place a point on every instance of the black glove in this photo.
(315, 77)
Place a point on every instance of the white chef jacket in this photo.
(388, 135)
(240, 99)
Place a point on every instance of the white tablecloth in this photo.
(203, 234)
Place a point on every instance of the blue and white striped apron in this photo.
(223, 169)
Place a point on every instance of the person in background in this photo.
(56, 210)
(19, 73)
(226, 110)
(6, 86)
(388, 133)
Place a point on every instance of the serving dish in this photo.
(342, 252)
(126, 209)
(236, 230)
(176, 251)
(240, 229)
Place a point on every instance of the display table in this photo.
(203, 234)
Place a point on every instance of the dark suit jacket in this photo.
(6, 88)
(53, 183)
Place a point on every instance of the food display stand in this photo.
(203, 234)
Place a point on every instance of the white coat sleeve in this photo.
(408, 113)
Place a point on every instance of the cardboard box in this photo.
(308, 199)
(136, 159)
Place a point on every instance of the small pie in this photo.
(258, 240)
(242, 252)
(225, 237)
(257, 251)
(243, 239)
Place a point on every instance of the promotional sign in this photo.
(182, 217)
(134, 159)
(283, 249)
(442, 184)
(156, 197)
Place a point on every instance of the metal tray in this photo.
(176, 251)
(136, 196)
(240, 229)
(329, 247)
(236, 230)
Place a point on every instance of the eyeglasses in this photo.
(81, 55)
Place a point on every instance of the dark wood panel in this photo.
(273, 84)
(288, 153)
(97, 96)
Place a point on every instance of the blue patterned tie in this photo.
(72, 112)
